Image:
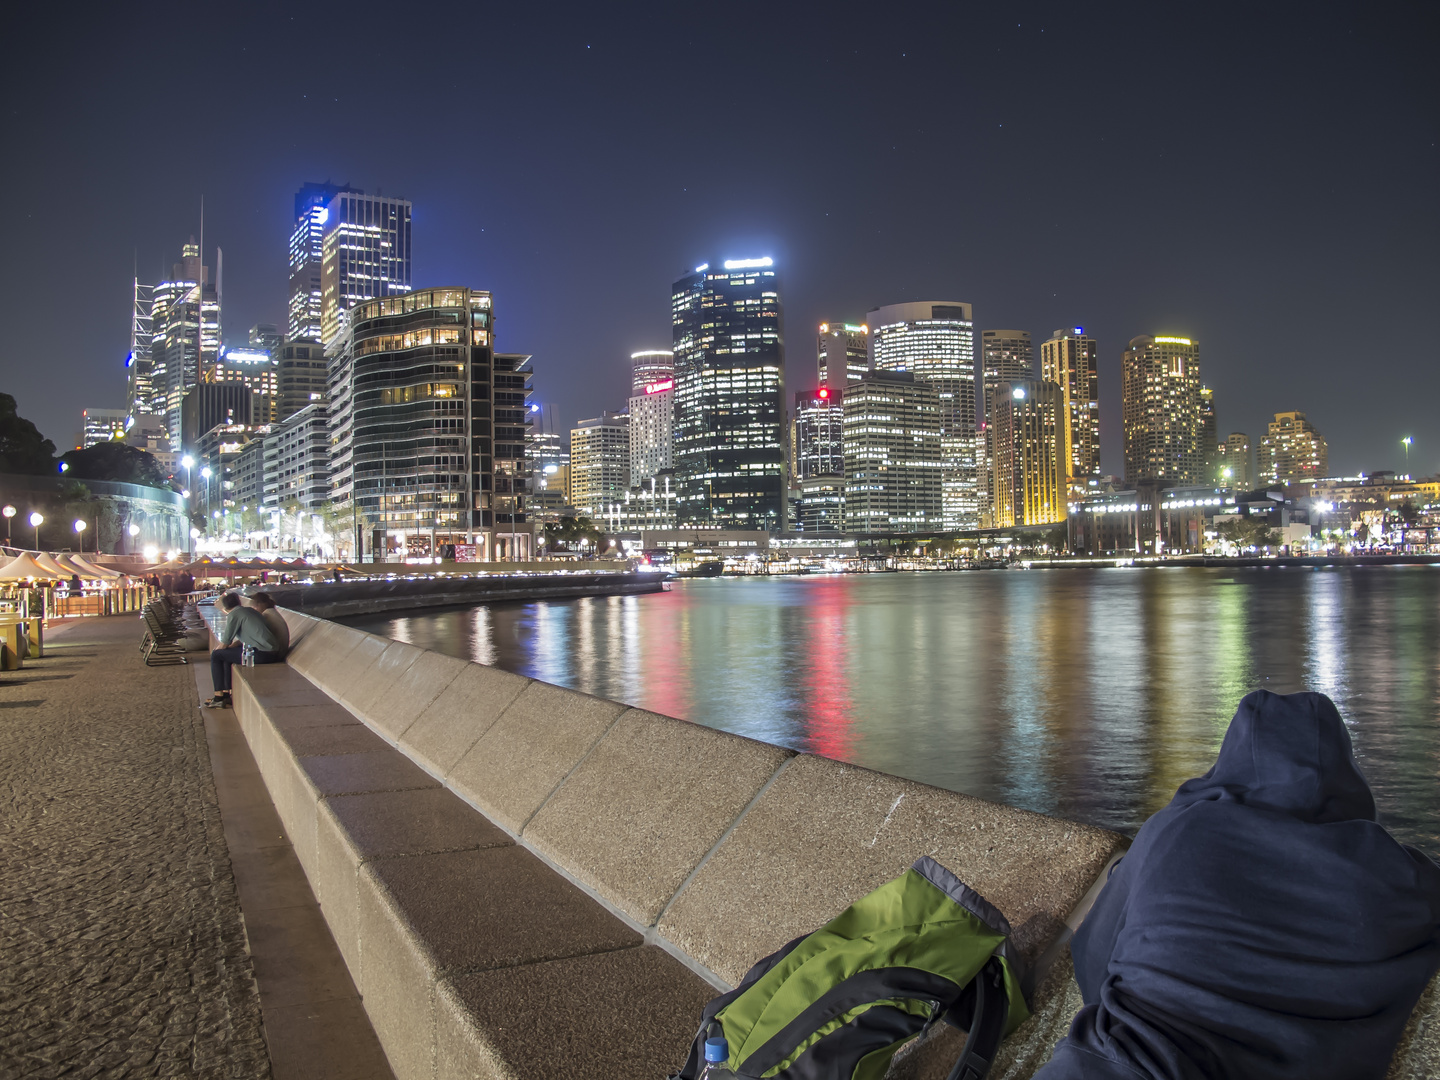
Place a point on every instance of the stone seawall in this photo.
(335, 600)
(511, 867)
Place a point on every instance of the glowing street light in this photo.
(1405, 442)
(36, 519)
(80, 535)
(9, 513)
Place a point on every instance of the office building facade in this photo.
(652, 429)
(297, 461)
(599, 463)
(185, 334)
(100, 426)
(307, 244)
(1071, 360)
(1209, 438)
(935, 341)
(730, 457)
(842, 354)
(433, 427)
(255, 368)
(301, 377)
(819, 434)
(1004, 355)
(894, 467)
(1292, 451)
(1237, 462)
(141, 396)
(1160, 405)
(365, 254)
(212, 404)
(1028, 436)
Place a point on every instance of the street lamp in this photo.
(9, 513)
(36, 519)
(1405, 442)
(80, 536)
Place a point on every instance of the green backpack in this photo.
(839, 1003)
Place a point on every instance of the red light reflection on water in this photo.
(827, 706)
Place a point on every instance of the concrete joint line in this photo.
(584, 758)
(724, 836)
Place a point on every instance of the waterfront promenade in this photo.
(122, 947)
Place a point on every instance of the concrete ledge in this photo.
(617, 855)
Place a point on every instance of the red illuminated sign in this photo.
(660, 387)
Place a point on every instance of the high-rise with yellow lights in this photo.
(1071, 360)
(1027, 437)
(1292, 450)
(1160, 405)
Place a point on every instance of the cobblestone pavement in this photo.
(122, 950)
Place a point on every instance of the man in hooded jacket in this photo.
(1263, 924)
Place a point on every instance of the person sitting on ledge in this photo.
(1263, 923)
(264, 603)
(243, 626)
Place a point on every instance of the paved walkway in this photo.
(122, 950)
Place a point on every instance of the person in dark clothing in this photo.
(243, 626)
(1263, 924)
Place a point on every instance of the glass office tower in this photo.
(307, 240)
(729, 397)
(935, 341)
(365, 253)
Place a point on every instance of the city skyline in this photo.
(1258, 251)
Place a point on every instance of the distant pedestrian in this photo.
(76, 587)
(243, 626)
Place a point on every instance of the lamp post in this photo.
(80, 535)
(9, 513)
(134, 531)
(36, 520)
(205, 475)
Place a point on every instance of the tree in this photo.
(23, 450)
(115, 461)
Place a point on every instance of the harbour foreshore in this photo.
(512, 868)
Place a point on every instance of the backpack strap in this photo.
(987, 1023)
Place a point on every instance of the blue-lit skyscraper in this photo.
(729, 396)
(307, 238)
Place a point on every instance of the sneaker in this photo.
(219, 701)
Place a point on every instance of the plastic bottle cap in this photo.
(716, 1049)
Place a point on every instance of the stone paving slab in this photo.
(647, 1008)
(122, 947)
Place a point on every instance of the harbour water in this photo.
(1089, 694)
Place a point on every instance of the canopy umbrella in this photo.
(24, 567)
(86, 569)
(48, 562)
(171, 564)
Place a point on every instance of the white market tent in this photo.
(24, 568)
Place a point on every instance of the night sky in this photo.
(1260, 176)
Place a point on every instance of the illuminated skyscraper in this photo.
(1292, 450)
(431, 438)
(936, 343)
(1160, 403)
(365, 254)
(599, 463)
(893, 450)
(1209, 438)
(1004, 355)
(650, 366)
(256, 369)
(1071, 360)
(1028, 436)
(843, 352)
(101, 425)
(729, 397)
(819, 434)
(185, 334)
(312, 211)
(143, 397)
(652, 429)
(300, 376)
(1237, 462)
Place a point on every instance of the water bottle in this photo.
(717, 1052)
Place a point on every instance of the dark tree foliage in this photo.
(114, 461)
(23, 450)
